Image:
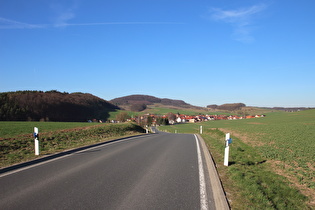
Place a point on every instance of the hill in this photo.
(52, 106)
(242, 109)
(228, 107)
(132, 101)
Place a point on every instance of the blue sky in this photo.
(261, 53)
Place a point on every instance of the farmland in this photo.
(271, 158)
(282, 142)
(17, 142)
(14, 128)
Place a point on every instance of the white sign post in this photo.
(36, 141)
(201, 129)
(228, 141)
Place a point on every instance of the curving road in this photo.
(156, 171)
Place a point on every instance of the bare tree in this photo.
(122, 116)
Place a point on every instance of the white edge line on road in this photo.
(202, 183)
(58, 158)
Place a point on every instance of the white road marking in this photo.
(63, 156)
(202, 183)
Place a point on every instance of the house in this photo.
(232, 117)
(210, 117)
(178, 120)
(193, 120)
(221, 117)
(259, 115)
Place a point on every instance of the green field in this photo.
(10, 129)
(17, 141)
(282, 142)
(271, 159)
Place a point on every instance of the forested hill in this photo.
(52, 106)
(149, 100)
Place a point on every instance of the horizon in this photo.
(162, 98)
(260, 53)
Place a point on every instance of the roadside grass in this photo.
(20, 148)
(249, 179)
(279, 147)
(14, 128)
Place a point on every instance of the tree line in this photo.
(227, 107)
(52, 106)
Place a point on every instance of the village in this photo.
(171, 118)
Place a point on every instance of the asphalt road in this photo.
(156, 171)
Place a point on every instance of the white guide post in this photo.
(36, 141)
(201, 129)
(227, 149)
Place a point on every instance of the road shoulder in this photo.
(219, 196)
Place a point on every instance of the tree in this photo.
(231, 107)
(171, 116)
(149, 120)
(162, 121)
(122, 116)
(214, 106)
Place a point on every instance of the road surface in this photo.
(156, 171)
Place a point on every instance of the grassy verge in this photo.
(272, 159)
(20, 148)
(249, 181)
